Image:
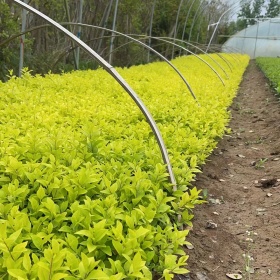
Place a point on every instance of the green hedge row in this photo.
(84, 192)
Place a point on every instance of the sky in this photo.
(236, 3)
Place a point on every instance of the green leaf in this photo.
(167, 275)
(137, 263)
(129, 221)
(50, 228)
(37, 241)
(43, 271)
(26, 262)
(18, 274)
(97, 274)
(65, 229)
(179, 270)
(59, 276)
(18, 250)
(13, 237)
(3, 230)
(137, 275)
(51, 206)
(41, 193)
(159, 196)
(55, 246)
(63, 206)
(170, 261)
(34, 203)
(118, 231)
(99, 234)
(141, 232)
(118, 246)
(85, 261)
(90, 246)
(118, 276)
(48, 254)
(107, 250)
(72, 241)
(84, 232)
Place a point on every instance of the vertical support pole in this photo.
(186, 21)
(256, 42)
(151, 28)
(244, 38)
(22, 39)
(113, 34)
(194, 18)
(79, 31)
(176, 25)
(109, 7)
(70, 28)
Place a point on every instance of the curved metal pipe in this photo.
(233, 6)
(185, 42)
(121, 34)
(163, 39)
(72, 49)
(109, 68)
(216, 49)
(201, 50)
(186, 20)
(217, 53)
(145, 46)
(195, 16)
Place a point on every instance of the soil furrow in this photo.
(242, 179)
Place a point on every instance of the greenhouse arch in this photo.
(261, 39)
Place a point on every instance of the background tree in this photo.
(257, 10)
(273, 9)
(9, 23)
(47, 49)
(250, 12)
(244, 15)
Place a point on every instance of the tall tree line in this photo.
(47, 49)
(257, 9)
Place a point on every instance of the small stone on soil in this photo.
(190, 246)
(234, 276)
(266, 183)
(201, 276)
(211, 225)
(215, 201)
(241, 156)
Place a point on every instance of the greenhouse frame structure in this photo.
(259, 40)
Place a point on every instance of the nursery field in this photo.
(84, 191)
(271, 69)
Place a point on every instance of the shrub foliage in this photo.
(84, 192)
(271, 68)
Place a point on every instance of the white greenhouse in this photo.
(261, 39)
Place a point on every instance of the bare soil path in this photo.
(242, 178)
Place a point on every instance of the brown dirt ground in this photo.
(239, 198)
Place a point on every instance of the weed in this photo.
(260, 163)
(248, 269)
(248, 111)
(205, 194)
(258, 141)
(237, 106)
